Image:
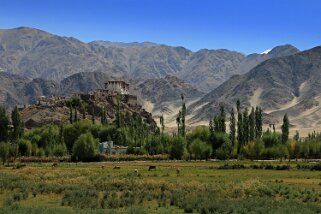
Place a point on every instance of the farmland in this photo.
(174, 187)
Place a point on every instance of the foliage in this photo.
(178, 148)
(85, 147)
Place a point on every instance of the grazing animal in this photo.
(151, 168)
(116, 167)
(103, 167)
(178, 171)
(54, 164)
(136, 171)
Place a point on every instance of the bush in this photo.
(271, 139)
(178, 148)
(85, 148)
(199, 149)
(224, 152)
(253, 150)
(25, 147)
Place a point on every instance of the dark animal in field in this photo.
(178, 171)
(54, 164)
(151, 168)
(19, 165)
(116, 167)
(103, 167)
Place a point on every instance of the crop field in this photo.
(173, 187)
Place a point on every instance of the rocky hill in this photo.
(286, 84)
(167, 89)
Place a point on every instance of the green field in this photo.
(200, 187)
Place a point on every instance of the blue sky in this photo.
(247, 26)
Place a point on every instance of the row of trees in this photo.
(245, 138)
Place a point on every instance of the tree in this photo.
(178, 148)
(285, 129)
(199, 149)
(118, 114)
(258, 122)
(93, 114)
(25, 147)
(245, 126)
(183, 114)
(232, 127)
(85, 147)
(162, 123)
(240, 138)
(70, 114)
(222, 119)
(296, 137)
(252, 125)
(178, 122)
(76, 114)
(18, 125)
(4, 151)
(4, 122)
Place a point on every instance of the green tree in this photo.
(4, 151)
(199, 149)
(76, 114)
(4, 122)
(240, 138)
(183, 114)
(18, 125)
(246, 127)
(85, 147)
(252, 125)
(232, 127)
(162, 123)
(93, 114)
(178, 148)
(70, 114)
(285, 129)
(25, 147)
(222, 119)
(258, 122)
(118, 119)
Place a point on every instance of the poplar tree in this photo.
(76, 114)
(252, 125)
(118, 114)
(183, 114)
(70, 114)
(232, 127)
(93, 115)
(4, 122)
(18, 126)
(162, 123)
(285, 129)
(258, 122)
(222, 119)
(240, 138)
(245, 126)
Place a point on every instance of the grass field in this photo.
(200, 187)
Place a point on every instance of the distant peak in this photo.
(266, 51)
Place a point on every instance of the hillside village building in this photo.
(112, 89)
(117, 86)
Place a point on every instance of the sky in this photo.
(247, 26)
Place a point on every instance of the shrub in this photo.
(199, 149)
(25, 147)
(253, 149)
(178, 148)
(85, 148)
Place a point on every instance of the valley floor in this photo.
(174, 187)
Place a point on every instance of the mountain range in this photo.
(282, 79)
